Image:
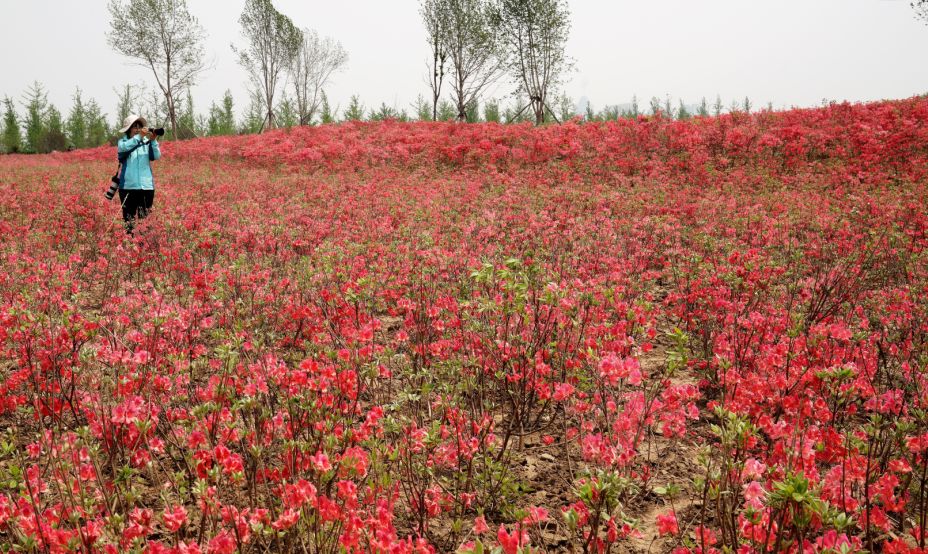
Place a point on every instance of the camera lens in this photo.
(111, 192)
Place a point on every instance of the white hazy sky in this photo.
(788, 52)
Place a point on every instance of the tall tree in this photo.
(162, 36)
(54, 131)
(286, 114)
(491, 111)
(187, 119)
(655, 105)
(326, 113)
(12, 139)
(212, 124)
(386, 112)
(434, 19)
(355, 109)
(35, 101)
(273, 42)
(423, 109)
(127, 102)
(473, 48)
(565, 107)
(97, 129)
(472, 112)
(157, 109)
(446, 111)
(316, 61)
(533, 34)
(703, 109)
(222, 118)
(255, 116)
(77, 122)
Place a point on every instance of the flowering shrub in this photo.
(702, 336)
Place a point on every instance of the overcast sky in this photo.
(788, 52)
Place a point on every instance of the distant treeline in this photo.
(473, 46)
(34, 125)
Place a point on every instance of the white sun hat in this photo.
(129, 120)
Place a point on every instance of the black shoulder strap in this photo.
(123, 156)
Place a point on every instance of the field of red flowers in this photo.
(668, 336)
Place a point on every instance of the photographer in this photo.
(136, 150)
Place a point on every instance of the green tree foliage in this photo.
(162, 36)
(589, 114)
(610, 113)
(355, 109)
(187, 119)
(54, 135)
(491, 111)
(472, 111)
(255, 116)
(518, 113)
(326, 114)
(385, 112)
(537, 64)
(158, 112)
(97, 130)
(447, 111)
(717, 107)
(77, 122)
(682, 112)
(471, 42)
(35, 102)
(703, 110)
(423, 109)
(656, 105)
(565, 108)
(12, 139)
(227, 121)
(222, 118)
(127, 102)
(272, 44)
(286, 114)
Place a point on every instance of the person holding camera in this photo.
(136, 184)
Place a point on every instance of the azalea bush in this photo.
(684, 336)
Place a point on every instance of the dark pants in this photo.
(135, 205)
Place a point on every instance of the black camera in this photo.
(111, 192)
(158, 132)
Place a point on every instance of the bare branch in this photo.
(162, 36)
(533, 35)
(316, 61)
(273, 44)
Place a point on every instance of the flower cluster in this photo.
(702, 336)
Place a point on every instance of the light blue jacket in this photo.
(135, 172)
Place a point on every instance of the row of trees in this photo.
(43, 127)
(39, 126)
(474, 43)
(168, 40)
